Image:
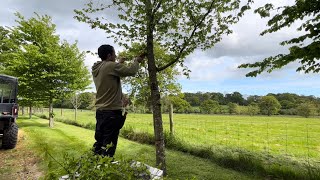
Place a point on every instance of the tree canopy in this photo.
(305, 48)
(269, 105)
(47, 69)
(137, 84)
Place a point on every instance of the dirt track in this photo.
(19, 163)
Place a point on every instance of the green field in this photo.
(73, 140)
(289, 136)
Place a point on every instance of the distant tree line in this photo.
(235, 103)
(214, 103)
(84, 100)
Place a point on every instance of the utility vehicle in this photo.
(8, 111)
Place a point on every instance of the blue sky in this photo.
(214, 70)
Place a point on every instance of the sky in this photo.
(213, 70)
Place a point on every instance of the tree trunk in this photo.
(30, 112)
(171, 119)
(75, 113)
(156, 106)
(61, 112)
(75, 107)
(51, 115)
(22, 110)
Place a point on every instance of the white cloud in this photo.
(212, 70)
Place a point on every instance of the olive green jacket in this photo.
(106, 77)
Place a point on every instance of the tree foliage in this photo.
(306, 109)
(233, 108)
(179, 104)
(269, 105)
(253, 109)
(209, 106)
(304, 48)
(138, 85)
(47, 68)
(235, 97)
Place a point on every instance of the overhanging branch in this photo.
(186, 42)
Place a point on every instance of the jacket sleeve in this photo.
(123, 70)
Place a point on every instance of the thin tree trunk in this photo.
(22, 110)
(51, 120)
(76, 108)
(171, 119)
(61, 111)
(75, 113)
(30, 112)
(156, 106)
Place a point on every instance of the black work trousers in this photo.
(108, 125)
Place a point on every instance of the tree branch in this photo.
(186, 42)
(157, 8)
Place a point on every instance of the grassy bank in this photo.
(75, 141)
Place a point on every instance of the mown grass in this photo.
(264, 162)
(55, 142)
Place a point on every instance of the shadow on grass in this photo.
(22, 124)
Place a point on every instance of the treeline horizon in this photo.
(209, 103)
(236, 97)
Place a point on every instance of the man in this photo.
(109, 118)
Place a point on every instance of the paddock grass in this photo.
(290, 136)
(243, 143)
(55, 142)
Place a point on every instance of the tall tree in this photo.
(178, 26)
(306, 109)
(305, 48)
(269, 105)
(209, 106)
(179, 104)
(253, 109)
(47, 68)
(233, 108)
(216, 96)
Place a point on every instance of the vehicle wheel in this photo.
(10, 137)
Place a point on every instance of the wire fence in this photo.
(290, 137)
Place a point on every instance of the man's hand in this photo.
(141, 57)
(122, 60)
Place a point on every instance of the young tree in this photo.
(306, 109)
(178, 26)
(233, 108)
(47, 68)
(253, 109)
(76, 103)
(179, 104)
(269, 105)
(305, 48)
(209, 106)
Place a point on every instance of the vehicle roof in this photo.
(8, 78)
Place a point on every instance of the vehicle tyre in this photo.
(10, 137)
